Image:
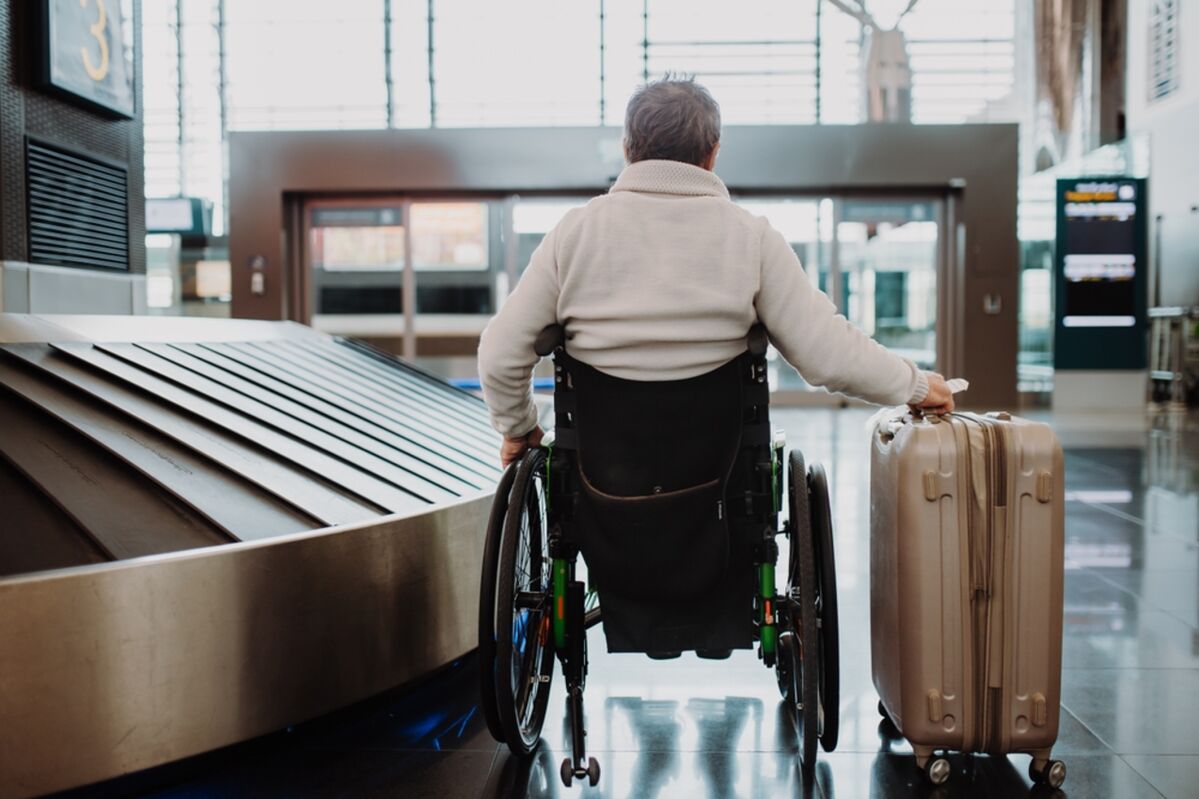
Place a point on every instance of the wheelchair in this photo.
(671, 491)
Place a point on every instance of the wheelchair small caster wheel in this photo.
(568, 773)
(937, 770)
(1053, 773)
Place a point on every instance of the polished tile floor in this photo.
(692, 728)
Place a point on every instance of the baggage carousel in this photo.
(214, 529)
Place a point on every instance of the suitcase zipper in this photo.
(988, 717)
(994, 606)
(980, 540)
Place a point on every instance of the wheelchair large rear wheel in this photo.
(826, 604)
(802, 616)
(491, 564)
(524, 656)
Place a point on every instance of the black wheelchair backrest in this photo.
(638, 438)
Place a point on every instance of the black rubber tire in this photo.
(491, 564)
(784, 667)
(799, 511)
(804, 623)
(799, 524)
(826, 588)
(522, 714)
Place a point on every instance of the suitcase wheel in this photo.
(886, 728)
(1052, 773)
(937, 769)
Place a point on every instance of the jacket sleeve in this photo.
(506, 356)
(826, 349)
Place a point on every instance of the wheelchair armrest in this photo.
(549, 339)
(756, 340)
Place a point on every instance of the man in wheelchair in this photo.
(657, 301)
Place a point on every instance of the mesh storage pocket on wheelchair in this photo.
(627, 539)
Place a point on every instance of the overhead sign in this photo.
(187, 216)
(88, 52)
(898, 212)
(1101, 274)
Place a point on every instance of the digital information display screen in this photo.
(1101, 259)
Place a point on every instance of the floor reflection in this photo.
(692, 728)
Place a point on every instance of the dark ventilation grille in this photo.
(78, 210)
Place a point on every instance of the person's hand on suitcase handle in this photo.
(939, 399)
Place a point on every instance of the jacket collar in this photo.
(670, 177)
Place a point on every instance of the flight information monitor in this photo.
(1101, 274)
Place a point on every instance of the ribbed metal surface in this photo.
(78, 209)
(128, 449)
(219, 447)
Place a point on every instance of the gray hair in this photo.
(673, 119)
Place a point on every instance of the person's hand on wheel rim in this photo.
(513, 448)
(939, 399)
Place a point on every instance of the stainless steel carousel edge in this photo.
(109, 669)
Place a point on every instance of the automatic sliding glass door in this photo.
(888, 253)
(395, 270)
(877, 259)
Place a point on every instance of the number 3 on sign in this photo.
(98, 31)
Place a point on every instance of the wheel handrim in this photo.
(531, 576)
(524, 657)
(487, 603)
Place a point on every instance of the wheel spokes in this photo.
(531, 579)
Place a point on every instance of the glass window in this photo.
(304, 64)
(888, 258)
(758, 57)
(806, 225)
(449, 236)
(358, 249)
(296, 65)
(357, 257)
(160, 97)
(962, 54)
(530, 63)
(533, 218)
(410, 63)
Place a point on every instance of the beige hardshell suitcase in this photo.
(966, 574)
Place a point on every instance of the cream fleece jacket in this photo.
(660, 279)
